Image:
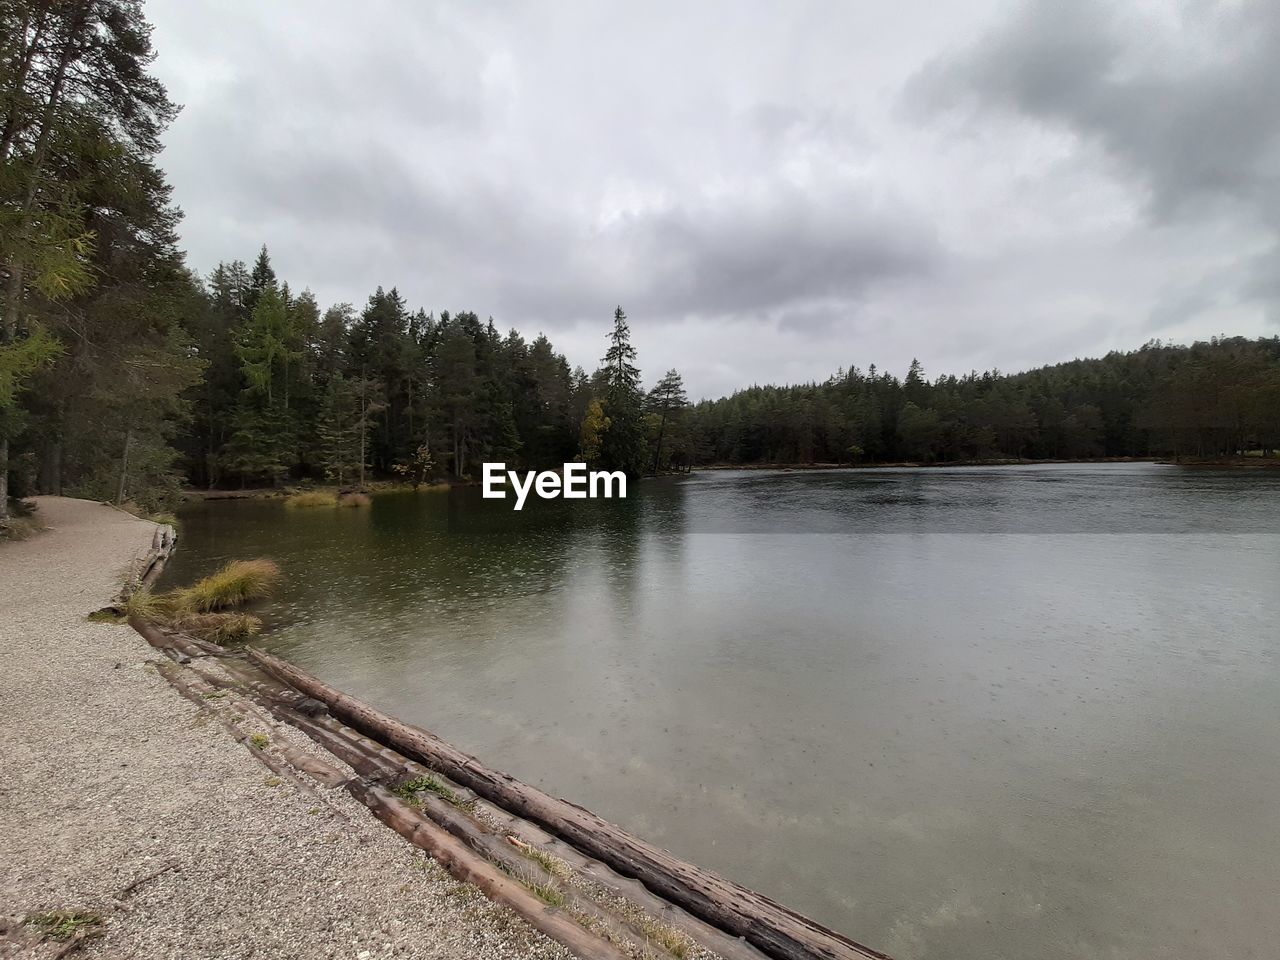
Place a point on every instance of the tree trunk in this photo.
(8, 333)
(124, 467)
(364, 418)
(19, 82)
(4, 479)
(657, 453)
(13, 298)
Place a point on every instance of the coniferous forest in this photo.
(125, 374)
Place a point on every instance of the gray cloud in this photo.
(1187, 105)
(741, 178)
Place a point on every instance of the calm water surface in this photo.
(1017, 712)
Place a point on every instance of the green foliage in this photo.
(666, 404)
(410, 790)
(1213, 399)
(86, 241)
(594, 426)
(19, 361)
(622, 443)
(419, 469)
(63, 925)
(263, 343)
(121, 372)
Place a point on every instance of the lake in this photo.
(962, 713)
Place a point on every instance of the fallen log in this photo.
(772, 928)
(163, 541)
(470, 867)
(172, 642)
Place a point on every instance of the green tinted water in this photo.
(973, 713)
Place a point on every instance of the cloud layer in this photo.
(771, 191)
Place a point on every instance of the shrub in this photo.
(355, 500)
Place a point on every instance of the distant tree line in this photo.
(123, 375)
(344, 395)
(1212, 400)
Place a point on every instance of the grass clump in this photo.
(312, 498)
(410, 789)
(145, 605)
(221, 627)
(205, 610)
(548, 893)
(235, 584)
(105, 615)
(675, 942)
(64, 924)
(355, 500)
(549, 862)
(259, 740)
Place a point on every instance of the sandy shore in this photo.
(120, 798)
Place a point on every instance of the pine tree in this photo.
(666, 401)
(261, 279)
(622, 444)
(264, 343)
(338, 430)
(88, 224)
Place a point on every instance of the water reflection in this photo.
(926, 726)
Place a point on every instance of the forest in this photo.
(126, 376)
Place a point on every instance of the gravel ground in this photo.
(120, 797)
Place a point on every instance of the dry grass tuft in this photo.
(355, 500)
(145, 605)
(312, 498)
(235, 584)
(222, 627)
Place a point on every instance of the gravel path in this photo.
(108, 777)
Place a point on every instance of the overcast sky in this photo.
(771, 190)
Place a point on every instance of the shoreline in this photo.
(380, 487)
(1233, 463)
(123, 802)
(309, 763)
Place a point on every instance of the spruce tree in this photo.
(622, 444)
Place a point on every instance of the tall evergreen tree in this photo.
(87, 222)
(622, 445)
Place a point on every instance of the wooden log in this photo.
(195, 688)
(470, 867)
(775, 930)
(163, 541)
(163, 638)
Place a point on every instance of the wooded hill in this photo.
(1212, 400)
(124, 375)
